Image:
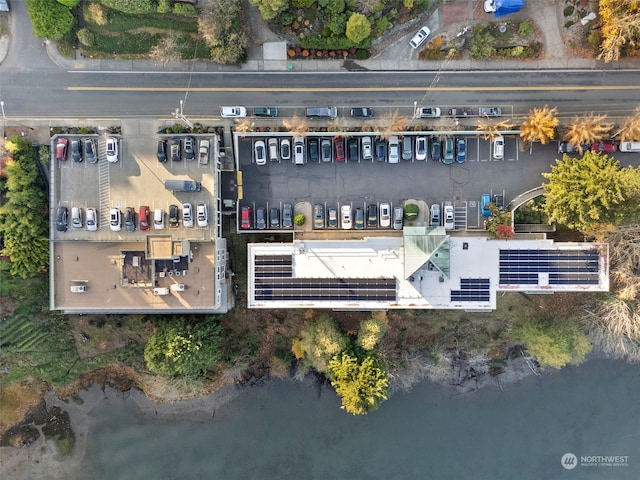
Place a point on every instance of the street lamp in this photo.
(4, 117)
(415, 108)
(179, 114)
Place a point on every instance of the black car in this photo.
(436, 150)
(313, 147)
(175, 150)
(381, 149)
(460, 112)
(61, 219)
(188, 149)
(129, 219)
(498, 200)
(372, 216)
(173, 216)
(161, 152)
(274, 218)
(362, 112)
(90, 150)
(352, 150)
(265, 111)
(76, 151)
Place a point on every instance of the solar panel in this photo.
(564, 267)
(472, 290)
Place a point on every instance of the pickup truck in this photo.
(203, 158)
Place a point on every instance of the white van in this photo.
(630, 147)
(498, 148)
(160, 291)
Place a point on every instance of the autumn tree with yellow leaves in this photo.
(540, 125)
(620, 21)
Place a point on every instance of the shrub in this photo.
(361, 54)
(164, 6)
(95, 13)
(337, 24)
(568, 11)
(270, 9)
(299, 219)
(482, 45)
(408, 4)
(50, 19)
(131, 6)
(383, 24)
(358, 28)
(411, 212)
(372, 330)
(335, 7)
(319, 341)
(86, 37)
(286, 18)
(69, 3)
(525, 29)
(184, 9)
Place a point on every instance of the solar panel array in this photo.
(273, 280)
(564, 267)
(472, 290)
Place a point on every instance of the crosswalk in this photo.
(104, 187)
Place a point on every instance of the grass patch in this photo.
(121, 44)
(4, 26)
(121, 22)
(16, 399)
(65, 445)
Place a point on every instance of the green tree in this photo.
(270, 9)
(361, 384)
(50, 19)
(69, 3)
(220, 27)
(372, 330)
(180, 347)
(583, 192)
(320, 340)
(358, 28)
(23, 218)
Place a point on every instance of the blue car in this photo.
(461, 149)
(485, 200)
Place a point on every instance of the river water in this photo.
(284, 430)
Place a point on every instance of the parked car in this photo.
(233, 112)
(261, 218)
(90, 150)
(161, 151)
(460, 112)
(259, 152)
(202, 217)
(461, 150)
(381, 149)
(285, 149)
(566, 147)
(61, 148)
(398, 218)
(367, 150)
(362, 112)
(489, 111)
(448, 156)
(428, 112)
(435, 215)
(359, 219)
(174, 221)
(287, 215)
(352, 150)
(187, 215)
(188, 149)
(325, 150)
(345, 217)
(313, 147)
(203, 152)
(338, 146)
(158, 219)
(604, 147)
(61, 219)
(112, 150)
(436, 149)
(175, 150)
(274, 218)
(76, 150)
(115, 220)
(385, 215)
(498, 201)
(298, 151)
(372, 216)
(485, 201)
(489, 6)
(143, 218)
(129, 219)
(272, 144)
(421, 148)
(76, 217)
(407, 148)
(498, 148)
(265, 111)
(332, 217)
(92, 219)
(449, 219)
(394, 150)
(420, 37)
(318, 216)
(245, 218)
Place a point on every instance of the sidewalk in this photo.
(395, 53)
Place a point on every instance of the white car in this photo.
(367, 149)
(385, 215)
(345, 217)
(202, 216)
(112, 150)
(260, 154)
(158, 219)
(187, 215)
(233, 112)
(285, 149)
(92, 220)
(490, 6)
(449, 221)
(298, 151)
(394, 150)
(115, 220)
(421, 148)
(498, 148)
(419, 38)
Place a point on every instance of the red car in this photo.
(245, 218)
(61, 148)
(604, 147)
(143, 218)
(338, 144)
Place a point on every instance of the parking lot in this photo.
(361, 183)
